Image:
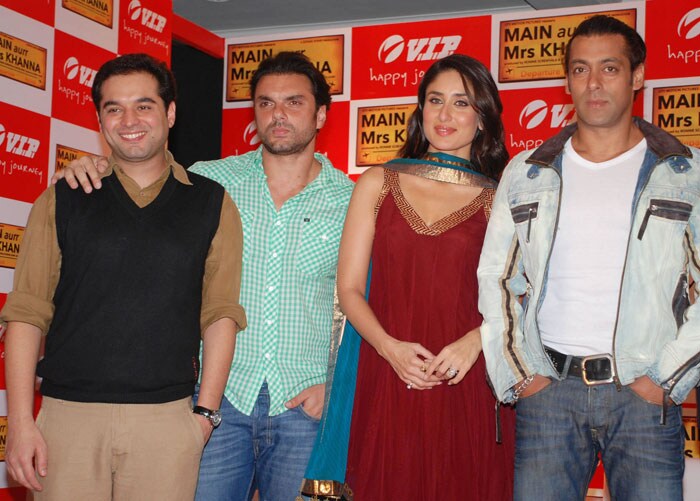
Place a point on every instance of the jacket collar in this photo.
(662, 143)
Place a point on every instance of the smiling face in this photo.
(286, 114)
(133, 118)
(601, 82)
(450, 121)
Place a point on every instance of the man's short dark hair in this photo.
(600, 24)
(136, 63)
(286, 63)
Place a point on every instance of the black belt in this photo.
(594, 369)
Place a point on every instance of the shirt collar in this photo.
(329, 180)
(325, 181)
(179, 172)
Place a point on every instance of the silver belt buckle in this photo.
(595, 382)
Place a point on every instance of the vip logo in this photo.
(72, 68)
(18, 144)
(391, 49)
(148, 18)
(689, 25)
(417, 49)
(535, 113)
(135, 10)
(250, 134)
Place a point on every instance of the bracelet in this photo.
(521, 387)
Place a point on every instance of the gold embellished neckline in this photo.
(440, 226)
(448, 159)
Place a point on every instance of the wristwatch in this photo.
(214, 417)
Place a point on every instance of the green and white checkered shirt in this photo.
(289, 266)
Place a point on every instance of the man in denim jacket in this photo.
(583, 278)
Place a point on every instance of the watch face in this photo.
(215, 418)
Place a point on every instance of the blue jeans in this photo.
(263, 452)
(561, 429)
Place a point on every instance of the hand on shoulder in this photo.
(85, 171)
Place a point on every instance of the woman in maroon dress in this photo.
(424, 418)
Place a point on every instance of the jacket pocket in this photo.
(680, 301)
(672, 210)
(525, 212)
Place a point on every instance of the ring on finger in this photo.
(452, 372)
(409, 386)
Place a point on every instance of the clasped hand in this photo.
(420, 369)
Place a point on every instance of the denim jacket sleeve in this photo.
(502, 285)
(677, 367)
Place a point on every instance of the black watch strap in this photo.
(214, 417)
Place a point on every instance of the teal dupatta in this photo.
(325, 473)
(330, 454)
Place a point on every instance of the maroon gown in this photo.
(432, 444)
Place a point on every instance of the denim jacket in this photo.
(657, 331)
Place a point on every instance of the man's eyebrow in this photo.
(263, 97)
(139, 100)
(611, 59)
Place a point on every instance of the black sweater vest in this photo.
(126, 327)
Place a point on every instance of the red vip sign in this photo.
(393, 57)
(240, 135)
(146, 26)
(531, 116)
(238, 132)
(24, 153)
(332, 140)
(673, 39)
(41, 10)
(75, 66)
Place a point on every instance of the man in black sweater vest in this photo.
(124, 283)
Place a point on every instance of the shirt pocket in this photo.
(317, 252)
(664, 211)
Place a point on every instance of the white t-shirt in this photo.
(579, 310)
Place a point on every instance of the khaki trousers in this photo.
(120, 451)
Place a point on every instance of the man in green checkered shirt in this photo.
(292, 204)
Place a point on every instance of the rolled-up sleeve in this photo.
(38, 268)
(222, 275)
